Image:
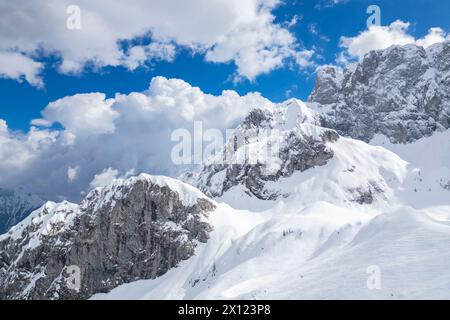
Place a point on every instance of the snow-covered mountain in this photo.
(310, 157)
(317, 252)
(132, 229)
(401, 92)
(310, 245)
(15, 205)
(353, 203)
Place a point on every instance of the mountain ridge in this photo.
(350, 189)
(131, 229)
(399, 92)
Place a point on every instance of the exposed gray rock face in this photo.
(16, 205)
(401, 92)
(301, 146)
(133, 229)
(368, 194)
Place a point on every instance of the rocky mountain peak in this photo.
(307, 154)
(399, 92)
(137, 228)
(300, 145)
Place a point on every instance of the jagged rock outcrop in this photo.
(16, 205)
(301, 145)
(401, 92)
(132, 229)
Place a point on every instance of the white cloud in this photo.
(257, 46)
(72, 173)
(138, 55)
(17, 151)
(313, 29)
(81, 114)
(294, 20)
(104, 178)
(304, 57)
(329, 3)
(40, 123)
(377, 38)
(240, 31)
(108, 176)
(382, 37)
(435, 35)
(128, 132)
(3, 127)
(14, 65)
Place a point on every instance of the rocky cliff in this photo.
(132, 229)
(297, 144)
(401, 92)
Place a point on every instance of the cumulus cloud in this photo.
(104, 178)
(377, 38)
(435, 35)
(14, 65)
(139, 55)
(118, 33)
(382, 37)
(81, 114)
(20, 150)
(127, 133)
(257, 46)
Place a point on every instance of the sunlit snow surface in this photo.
(316, 244)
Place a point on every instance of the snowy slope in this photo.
(318, 243)
(428, 181)
(358, 173)
(314, 164)
(320, 252)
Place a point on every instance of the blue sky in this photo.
(58, 140)
(23, 102)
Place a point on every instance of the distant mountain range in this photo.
(15, 205)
